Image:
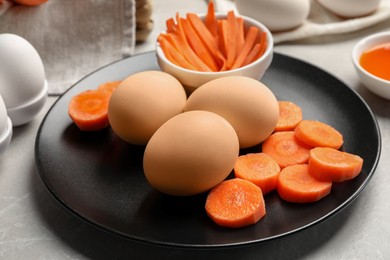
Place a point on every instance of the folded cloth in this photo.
(321, 22)
(74, 37)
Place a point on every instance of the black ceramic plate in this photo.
(99, 178)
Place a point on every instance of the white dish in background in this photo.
(377, 85)
(5, 127)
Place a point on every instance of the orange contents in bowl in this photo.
(377, 61)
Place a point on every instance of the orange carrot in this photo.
(171, 25)
(297, 185)
(231, 41)
(252, 54)
(248, 44)
(207, 38)
(290, 114)
(235, 203)
(329, 164)
(240, 34)
(30, 2)
(89, 110)
(109, 86)
(258, 168)
(210, 20)
(318, 134)
(174, 56)
(286, 149)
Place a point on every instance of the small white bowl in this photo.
(377, 85)
(26, 112)
(193, 79)
(5, 136)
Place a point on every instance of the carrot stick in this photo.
(248, 44)
(315, 133)
(297, 185)
(240, 34)
(329, 164)
(263, 44)
(290, 114)
(171, 25)
(169, 37)
(286, 149)
(207, 38)
(89, 110)
(231, 39)
(109, 86)
(235, 203)
(252, 54)
(258, 168)
(222, 29)
(211, 20)
(197, 45)
(174, 56)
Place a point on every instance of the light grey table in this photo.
(34, 226)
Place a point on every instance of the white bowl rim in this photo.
(363, 42)
(5, 136)
(268, 51)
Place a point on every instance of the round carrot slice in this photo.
(290, 114)
(329, 164)
(89, 110)
(258, 168)
(318, 134)
(298, 186)
(235, 203)
(109, 86)
(286, 149)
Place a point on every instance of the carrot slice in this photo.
(258, 168)
(235, 203)
(248, 44)
(318, 134)
(109, 86)
(290, 114)
(297, 185)
(89, 110)
(329, 164)
(211, 20)
(286, 149)
(197, 45)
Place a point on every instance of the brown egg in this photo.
(247, 104)
(191, 153)
(142, 103)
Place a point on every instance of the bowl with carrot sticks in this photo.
(371, 59)
(198, 48)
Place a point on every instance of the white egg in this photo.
(5, 127)
(23, 86)
(350, 8)
(276, 15)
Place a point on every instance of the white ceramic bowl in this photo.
(193, 79)
(377, 85)
(5, 127)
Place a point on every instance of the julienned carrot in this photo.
(211, 20)
(246, 48)
(329, 164)
(235, 203)
(318, 134)
(231, 34)
(197, 45)
(109, 86)
(297, 185)
(286, 149)
(240, 34)
(252, 54)
(173, 55)
(258, 168)
(290, 114)
(207, 38)
(170, 24)
(89, 110)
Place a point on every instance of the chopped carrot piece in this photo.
(109, 86)
(297, 185)
(210, 20)
(248, 44)
(286, 149)
(329, 164)
(258, 168)
(290, 114)
(235, 203)
(89, 110)
(318, 134)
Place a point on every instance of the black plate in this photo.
(99, 178)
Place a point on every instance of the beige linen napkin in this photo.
(74, 37)
(320, 21)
